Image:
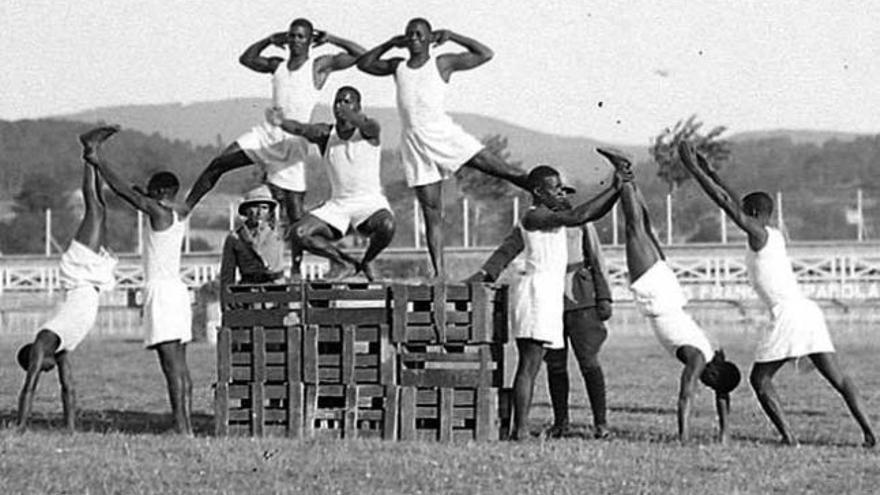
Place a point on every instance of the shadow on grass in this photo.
(114, 421)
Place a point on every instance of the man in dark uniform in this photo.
(587, 306)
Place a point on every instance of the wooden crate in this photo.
(451, 365)
(261, 305)
(350, 411)
(348, 354)
(475, 313)
(258, 409)
(336, 303)
(260, 355)
(454, 414)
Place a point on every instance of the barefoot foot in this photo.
(92, 139)
(620, 161)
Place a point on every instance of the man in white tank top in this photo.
(296, 84)
(661, 300)
(433, 147)
(167, 313)
(86, 270)
(352, 155)
(799, 328)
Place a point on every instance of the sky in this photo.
(615, 71)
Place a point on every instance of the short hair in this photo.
(420, 20)
(24, 356)
(720, 375)
(757, 204)
(163, 180)
(301, 21)
(538, 174)
(351, 89)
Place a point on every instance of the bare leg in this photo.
(93, 225)
(379, 228)
(641, 252)
(826, 363)
(294, 209)
(489, 163)
(316, 236)
(531, 352)
(173, 362)
(431, 199)
(230, 159)
(761, 379)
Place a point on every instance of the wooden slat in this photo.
(310, 354)
(445, 378)
(294, 409)
(310, 409)
(221, 409)
(481, 316)
(400, 300)
(347, 354)
(294, 353)
(478, 357)
(344, 316)
(257, 408)
(500, 324)
(387, 355)
(240, 336)
(254, 317)
(224, 355)
(425, 293)
(345, 294)
(446, 409)
(425, 333)
(389, 420)
(407, 398)
(483, 426)
(428, 317)
(349, 422)
(259, 353)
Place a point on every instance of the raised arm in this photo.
(722, 196)
(595, 208)
(68, 392)
(372, 62)
(253, 59)
(314, 133)
(476, 55)
(369, 128)
(326, 64)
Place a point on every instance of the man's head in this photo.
(720, 375)
(347, 98)
(258, 206)
(418, 35)
(299, 36)
(758, 205)
(547, 188)
(24, 359)
(163, 185)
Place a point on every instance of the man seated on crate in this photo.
(86, 269)
(352, 154)
(256, 249)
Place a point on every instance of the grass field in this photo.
(123, 447)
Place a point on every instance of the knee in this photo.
(557, 364)
(758, 381)
(385, 226)
(590, 362)
(301, 233)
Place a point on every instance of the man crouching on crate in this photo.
(86, 269)
(352, 154)
(539, 293)
(255, 249)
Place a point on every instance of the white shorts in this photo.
(676, 328)
(80, 266)
(280, 155)
(74, 317)
(342, 213)
(167, 312)
(798, 329)
(434, 151)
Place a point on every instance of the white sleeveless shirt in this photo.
(421, 93)
(294, 91)
(162, 252)
(352, 165)
(770, 271)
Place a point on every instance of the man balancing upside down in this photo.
(296, 86)
(798, 329)
(352, 154)
(86, 270)
(167, 313)
(433, 147)
(661, 300)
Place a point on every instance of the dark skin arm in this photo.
(68, 392)
(476, 55)
(326, 64)
(506, 252)
(694, 364)
(722, 407)
(253, 59)
(372, 62)
(26, 397)
(722, 196)
(544, 218)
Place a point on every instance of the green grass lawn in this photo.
(123, 447)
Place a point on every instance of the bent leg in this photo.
(587, 333)
(641, 253)
(292, 203)
(489, 163)
(316, 236)
(431, 200)
(379, 229)
(826, 363)
(93, 224)
(761, 379)
(531, 352)
(173, 362)
(231, 158)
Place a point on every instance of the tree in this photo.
(665, 149)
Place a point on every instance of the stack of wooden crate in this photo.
(351, 360)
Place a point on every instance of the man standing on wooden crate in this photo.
(587, 306)
(255, 249)
(352, 154)
(86, 270)
(167, 311)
